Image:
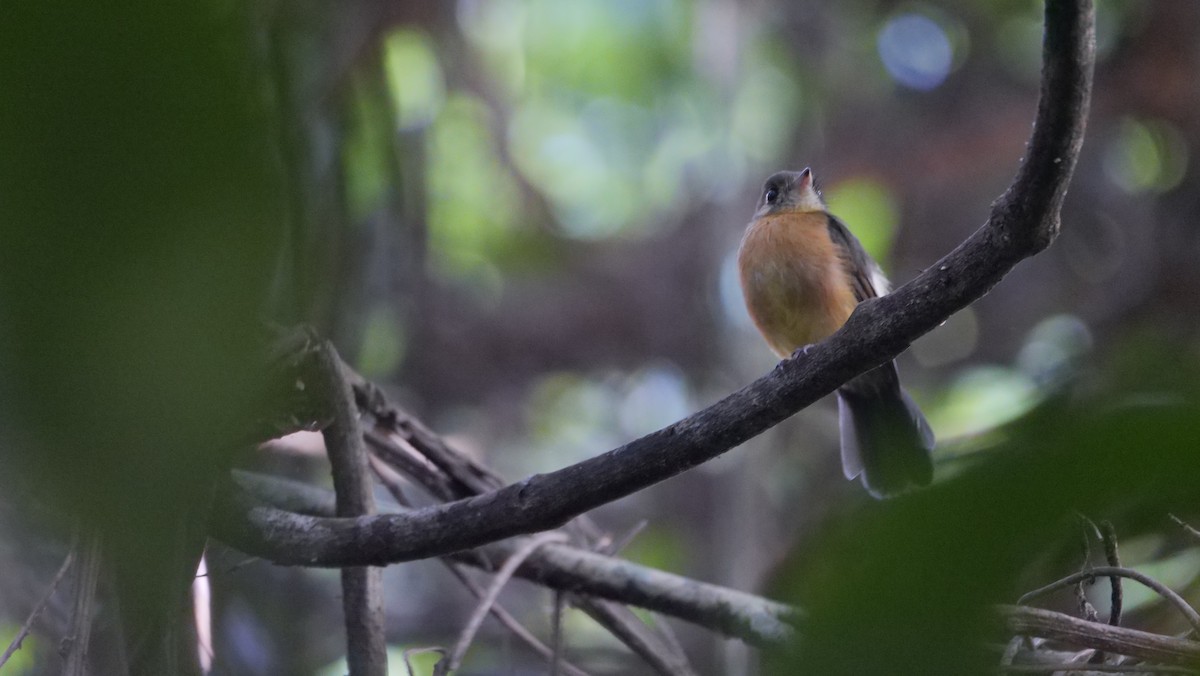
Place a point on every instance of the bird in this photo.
(802, 273)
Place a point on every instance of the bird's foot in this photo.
(802, 351)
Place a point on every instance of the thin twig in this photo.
(1085, 607)
(454, 659)
(556, 635)
(400, 455)
(636, 630)
(15, 645)
(510, 622)
(624, 624)
(1185, 526)
(1108, 536)
(497, 610)
(1167, 593)
(618, 545)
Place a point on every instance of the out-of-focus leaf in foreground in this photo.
(907, 585)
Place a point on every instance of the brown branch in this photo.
(1166, 592)
(1140, 644)
(362, 586)
(752, 618)
(1023, 222)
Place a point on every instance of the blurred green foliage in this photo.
(1146, 156)
(141, 220)
(142, 214)
(871, 207)
(905, 586)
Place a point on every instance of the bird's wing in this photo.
(867, 280)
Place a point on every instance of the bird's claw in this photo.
(802, 351)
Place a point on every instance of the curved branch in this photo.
(1119, 640)
(1023, 221)
(1161, 589)
(754, 619)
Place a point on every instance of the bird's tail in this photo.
(885, 438)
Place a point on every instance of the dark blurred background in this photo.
(519, 216)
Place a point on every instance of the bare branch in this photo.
(512, 624)
(1185, 526)
(1140, 644)
(497, 610)
(752, 618)
(362, 586)
(454, 659)
(1166, 592)
(621, 622)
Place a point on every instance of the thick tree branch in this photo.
(1074, 631)
(1023, 222)
(752, 618)
(362, 586)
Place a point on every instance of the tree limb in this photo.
(362, 586)
(1143, 645)
(752, 618)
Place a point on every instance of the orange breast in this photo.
(795, 287)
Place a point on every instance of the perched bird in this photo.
(802, 273)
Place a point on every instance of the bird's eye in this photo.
(771, 195)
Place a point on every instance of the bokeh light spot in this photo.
(1146, 156)
(383, 344)
(414, 78)
(868, 208)
(954, 340)
(915, 51)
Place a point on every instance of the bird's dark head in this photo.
(794, 191)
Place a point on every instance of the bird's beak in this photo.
(805, 180)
